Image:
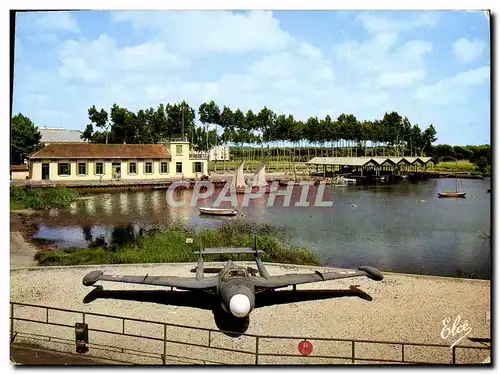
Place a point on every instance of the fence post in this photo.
(256, 350)
(11, 322)
(164, 343)
(352, 346)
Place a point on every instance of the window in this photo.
(63, 168)
(132, 168)
(148, 168)
(164, 167)
(99, 168)
(197, 167)
(178, 150)
(82, 168)
(178, 167)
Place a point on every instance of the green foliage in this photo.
(41, 198)
(479, 156)
(393, 135)
(149, 126)
(464, 166)
(25, 138)
(169, 245)
(88, 133)
(482, 163)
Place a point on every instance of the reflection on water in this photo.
(403, 227)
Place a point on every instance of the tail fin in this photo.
(260, 266)
(200, 268)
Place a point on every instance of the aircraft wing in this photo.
(177, 282)
(278, 281)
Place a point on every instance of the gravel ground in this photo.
(21, 252)
(404, 308)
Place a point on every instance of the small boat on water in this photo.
(238, 183)
(455, 193)
(287, 182)
(259, 180)
(218, 211)
(451, 194)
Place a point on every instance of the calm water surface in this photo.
(387, 227)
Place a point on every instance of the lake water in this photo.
(388, 227)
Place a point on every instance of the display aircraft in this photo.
(235, 286)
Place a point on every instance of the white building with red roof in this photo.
(86, 162)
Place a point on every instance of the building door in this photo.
(45, 171)
(115, 169)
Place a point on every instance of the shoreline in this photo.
(217, 177)
(22, 245)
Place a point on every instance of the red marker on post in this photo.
(305, 348)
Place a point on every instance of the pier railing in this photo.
(142, 341)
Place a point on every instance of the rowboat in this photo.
(451, 194)
(288, 182)
(218, 211)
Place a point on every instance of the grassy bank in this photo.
(169, 245)
(457, 166)
(282, 166)
(41, 198)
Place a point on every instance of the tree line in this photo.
(260, 135)
(264, 128)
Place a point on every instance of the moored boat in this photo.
(238, 183)
(451, 194)
(455, 193)
(287, 182)
(218, 211)
(259, 180)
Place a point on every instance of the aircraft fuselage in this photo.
(236, 291)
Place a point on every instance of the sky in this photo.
(430, 66)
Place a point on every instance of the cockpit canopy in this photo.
(236, 273)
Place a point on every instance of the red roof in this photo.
(100, 151)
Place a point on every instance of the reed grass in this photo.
(41, 198)
(169, 246)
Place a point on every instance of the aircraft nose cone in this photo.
(239, 305)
